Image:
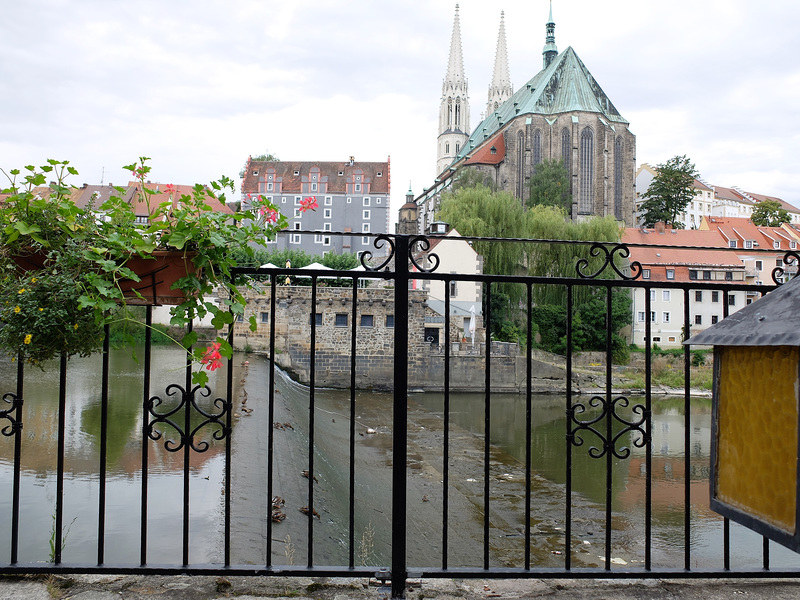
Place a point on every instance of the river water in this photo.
(373, 459)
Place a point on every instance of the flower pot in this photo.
(158, 275)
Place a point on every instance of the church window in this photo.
(458, 147)
(537, 147)
(587, 171)
(458, 113)
(447, 148)
(618, 179)
(520, 163)
(450, 113)
(566, 153)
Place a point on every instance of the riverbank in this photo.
(152, 587)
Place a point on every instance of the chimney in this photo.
(660, 227)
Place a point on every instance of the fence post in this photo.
(399, 417)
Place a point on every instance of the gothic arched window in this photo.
(566, 153)
(618, 179)
(458, 113)
(450, 113)
(586, 199)
(537, 147)
(520, 163)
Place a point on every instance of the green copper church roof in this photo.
(565, 86)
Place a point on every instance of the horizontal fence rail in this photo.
(325, 452)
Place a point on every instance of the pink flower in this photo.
(270, 216)
(169, 189)
(212, 359)
(309, 203)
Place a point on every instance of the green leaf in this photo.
(189, 340)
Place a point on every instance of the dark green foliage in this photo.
(549, 185)
(669, 193)
(769, 213)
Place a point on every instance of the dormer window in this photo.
(748, 244)
(731, 243)
(493, 150)
(341, 173)
(379, 174)
(776, 244)
(296, 173)
(255, 173)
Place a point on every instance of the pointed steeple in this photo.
(501, 88)
(454, 107)
(550, 51)
(455, 66)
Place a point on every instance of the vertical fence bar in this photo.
(569, 437)
(101, 500)
(446, 441)
(400, 419)
(487, 429)
(187, 427)
(648, 487)
(609, 443)
(62, 410)
(352, 507)
(17, 463)
(311, 407)
(273, 290)
(228, 448)
(687, 430)
(148, 339)
(726, 524)
(528, 425)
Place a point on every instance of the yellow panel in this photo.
(757, 432)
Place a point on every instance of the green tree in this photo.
(549, 185)
(770, 213)
(266, 156)
(669, 193)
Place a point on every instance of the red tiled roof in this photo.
(673, 237)
(685, 257)
(484, 155)
(328, 173)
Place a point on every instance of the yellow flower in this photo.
(17, 309)
(41, 309)
(75, 327)
(28, 338)
(34, 280)
(22, 291)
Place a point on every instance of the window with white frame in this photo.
(295, 238)
(365, 241)
(297, 200)
(328, 200)
(366, 201)
(366, 215)
(328, 213)
(748, 244)
(640, 316)
(645, 273)
(365, 228)
(283, 200)
(349, 200)
(326, 241)
(665, 295)
(318, 238)
(326, 227)
(358, 187)
(297, 213)
(731, 243)
(314, 186)
(653, 316)
(269, 186)
(776, 244)
(652, 295)
(377, 200)
(792, 245)
(297, 225)
(296, 173)
(665, 317)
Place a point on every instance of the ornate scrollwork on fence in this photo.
(598, 249)
(608, 409)
(789, 259)
(379, 243)
(188, 402)
(13, 425)
(422, 244)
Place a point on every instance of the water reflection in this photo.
(251, 465)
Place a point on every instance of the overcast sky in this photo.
(198, 86)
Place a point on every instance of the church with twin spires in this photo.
(561, 114)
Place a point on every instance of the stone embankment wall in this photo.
(375, 345)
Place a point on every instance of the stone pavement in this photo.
(150, 587)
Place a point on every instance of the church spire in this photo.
(501, 89)
(454, 107)
(550, 51)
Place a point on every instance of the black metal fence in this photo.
(186, 421)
